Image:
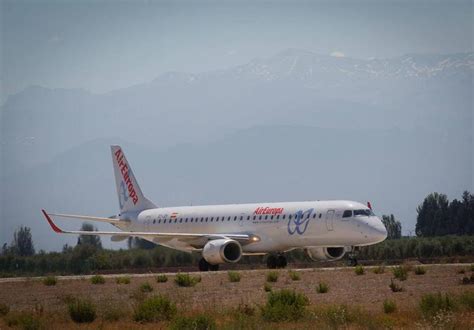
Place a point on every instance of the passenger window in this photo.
(278, 216)
(271, 217)
(254, 217)
(320, 214)
(289, 217)
(235, 218)
(260, 217)
(284, 216)
(248, 218)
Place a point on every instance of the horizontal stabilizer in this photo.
(111, 220)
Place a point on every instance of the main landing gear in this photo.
(276, 261)
(204, 266)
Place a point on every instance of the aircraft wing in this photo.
(196, 240)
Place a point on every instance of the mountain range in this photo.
(297, 125)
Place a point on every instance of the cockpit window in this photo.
(366, 213)
(347, 214)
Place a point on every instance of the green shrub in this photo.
(472, 268)
(322, 287)
(359, 270)
(285, 305)
(337, 315)
(267, 287)
(197, 322)
(400, 273)
(272, 276)
(466, 299)
(157, 308)
(186, 280)
(294, 275)
(81, 311)
(146, 287)
(431, 304)
(420, 270)
(233, 276)
(4, 309)
(97, 279)
(389, 306)
(24, 320)
(162, 278)
(123, 280)
(379, 270)
(395, 287)
(50, 280)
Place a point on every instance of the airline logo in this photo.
(300, 222)
(127, 181)
(268, 210)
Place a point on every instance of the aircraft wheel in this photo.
(281, 261)
(213, 268)
(204, 265)
(272, 261)
(352, 262)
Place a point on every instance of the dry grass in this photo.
(115, 308)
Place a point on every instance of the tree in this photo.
(22, 244)
(433, 216)
(394, 227)
(92, 240)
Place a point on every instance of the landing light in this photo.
(254, 239)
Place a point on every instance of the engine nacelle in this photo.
(220, 251)
(325, 253)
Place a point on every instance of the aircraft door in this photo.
(329, 220)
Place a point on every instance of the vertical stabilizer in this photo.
(130, 195)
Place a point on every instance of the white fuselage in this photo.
(279, 226)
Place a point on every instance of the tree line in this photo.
(437, 216)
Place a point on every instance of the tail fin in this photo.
(129, 193)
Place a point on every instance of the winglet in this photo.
(51, 223)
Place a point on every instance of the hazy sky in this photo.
(104, 45)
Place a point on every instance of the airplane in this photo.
(326, 230)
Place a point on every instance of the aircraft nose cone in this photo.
(378, 231)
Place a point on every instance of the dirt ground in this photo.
(215, 292)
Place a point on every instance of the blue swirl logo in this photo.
(300, 222)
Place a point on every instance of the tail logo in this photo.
(126, 180)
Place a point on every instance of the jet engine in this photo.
(325, 253)
(220, 251)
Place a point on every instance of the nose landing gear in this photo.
(276, 261)
(352, 257)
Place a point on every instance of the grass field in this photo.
(353, 301)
